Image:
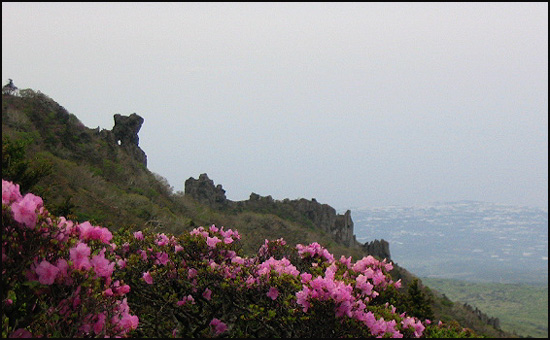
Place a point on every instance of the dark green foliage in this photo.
(16, 168)
(419, 302)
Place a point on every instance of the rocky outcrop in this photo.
(126, 131)
(325, 218)
(125, 135)
(379, 249)
(321, 216)
(204, 191)
(343, 227)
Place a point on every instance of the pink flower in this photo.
(177, 248)
(143, 254)
(362, 284)
(89, 232)
(186, 299)
(418, 329)
(85, 229)
(100, 323)
(105, 235)
(162, 240)
(10, 192)
(102, 266)
(207, 294)
(162, 258)
(302, 298)
(191, 273)
(218, 326)
(379, 279)
(148, 278)
(63, 266)
(129, 322)
(138, 235)
(212, 241)
(365, 262)
(24, 210)
(306, 277)
(273, 293)
(21, 333)
(79, 255)
(122, 290)
(46, 272)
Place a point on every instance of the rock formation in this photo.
(322, 216)
(204, 191)
(343, 229)
(379, 249)
(125, 134)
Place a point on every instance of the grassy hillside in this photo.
(83, 176)
(522, 309)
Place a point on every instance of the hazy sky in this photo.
(354, 104)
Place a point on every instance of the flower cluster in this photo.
(66, 279)
(63, 268)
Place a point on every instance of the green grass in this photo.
(521, 308)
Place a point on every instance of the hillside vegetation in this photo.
(85, 175)
(522, 309)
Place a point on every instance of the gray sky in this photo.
(354, 104)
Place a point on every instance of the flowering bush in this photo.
(66, 279)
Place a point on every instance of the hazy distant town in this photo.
(468, 240)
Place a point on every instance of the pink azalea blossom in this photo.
(21, 333)
(46, 272)
(80, 256)
(306, 277)
(138, 235)
(273, 293)
(90, 232)
(162, 240)
(24, 210)
(238, 260)
(147, 278)
(102, 266)
(162, 258)
(10, 192)
(302, 298)
(218, 326)
(191, 273)
(212, 241)
(100, 323)
(207, 294)
(186, 299)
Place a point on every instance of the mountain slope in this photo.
(102, 176)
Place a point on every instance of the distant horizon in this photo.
(543, 208)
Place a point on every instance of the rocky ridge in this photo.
(321, 216)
